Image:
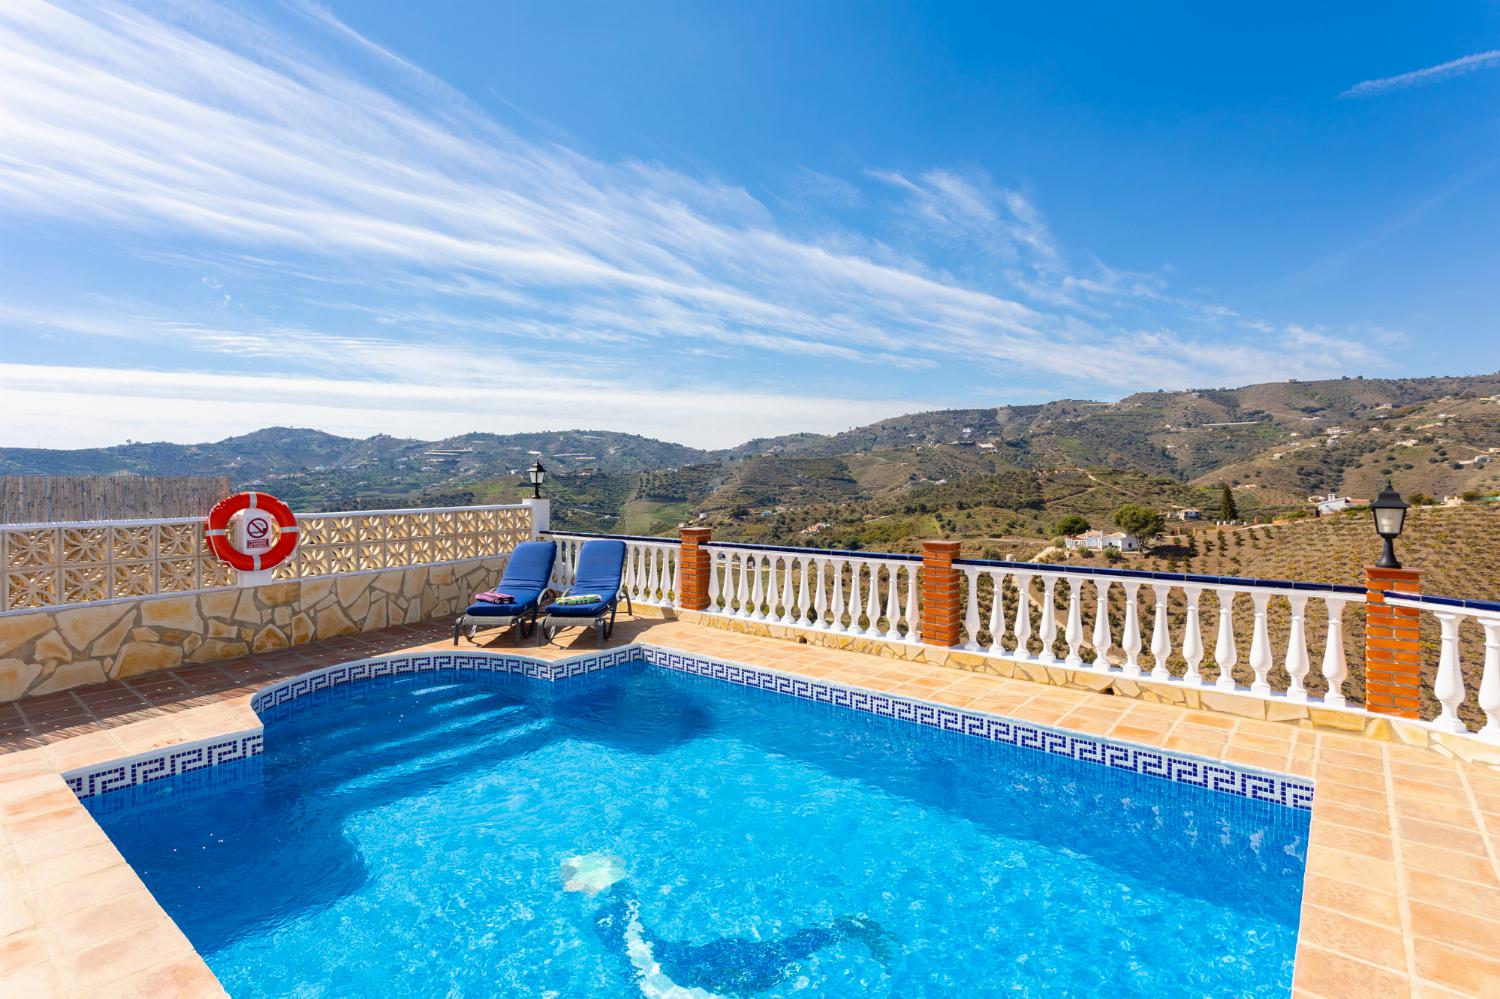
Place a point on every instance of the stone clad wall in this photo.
(51, 649)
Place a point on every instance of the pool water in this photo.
(640, 831)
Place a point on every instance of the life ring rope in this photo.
(216, 531)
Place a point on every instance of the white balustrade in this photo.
(1451, 686)
(845, 593)
(1002, 599)
(652, 567)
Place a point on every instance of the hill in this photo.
(1000, 476)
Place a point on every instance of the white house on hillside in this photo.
(1334, 503)
(1099, 540)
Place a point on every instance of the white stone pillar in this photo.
(541, 514)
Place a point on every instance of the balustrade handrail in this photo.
(842, 553)
(642, 538)
(1238, 582)
(1475, 608)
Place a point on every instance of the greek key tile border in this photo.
(1215, 775)
(158, 764)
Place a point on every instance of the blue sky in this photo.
(707, 222)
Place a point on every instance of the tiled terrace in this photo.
(1402, 895)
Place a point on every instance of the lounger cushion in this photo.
(527, 573)
(577, 610)
(601, 565)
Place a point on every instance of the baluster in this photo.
(655, 580)
(629, 582)
(1448, 688)
(971, 615)
(799, 601)
(1131, 641)
(757, 592)
(1296, 649)
(1022, 629)
(1161, 639)
(997, 612)
(675, 555)
(1192, 638)
(1260, 645)
(1226, 654)
(1049, 621)
(892, 601)
(787, 615)
(913, 609)
(742, 587)
(856, 597)
(1489, 682)
(820, 597)
(837, 624)
(1074, 631)
(1335, 665)
(715, 589)
(872, 603)
(1101, 640)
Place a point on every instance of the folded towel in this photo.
(494, 597)
(580, 598)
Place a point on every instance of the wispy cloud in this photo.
(1421, 77)
(418, 241)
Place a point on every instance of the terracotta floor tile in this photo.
(37, 982)
(88, 890)
(77, 836)
(1342, 934)
(1350, 840)
(20, 951)
(104, 963)
(1363, 819)
(98, 923)
(1449, 837)
(15, 915)
(1377, 875)
(1473, 973)
(184, 979)
(1452, 893)
(1330, 975)
(1452, 928)
(1352, 900)
(75, 864)
(1450, 863)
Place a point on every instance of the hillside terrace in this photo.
(122, 641)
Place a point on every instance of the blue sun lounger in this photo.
(527, 573)
(601, 566)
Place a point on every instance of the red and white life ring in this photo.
(217, 531)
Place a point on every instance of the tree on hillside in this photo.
(1142, 521)
(1228, 509)
(1071, 525)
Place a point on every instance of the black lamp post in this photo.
(537, 474)
(1389, 510)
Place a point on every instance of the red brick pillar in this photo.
(695, 567)
(942, 604)
(1393, 654)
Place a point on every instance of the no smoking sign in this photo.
(257, 532)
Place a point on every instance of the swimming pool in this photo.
(643, 831)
